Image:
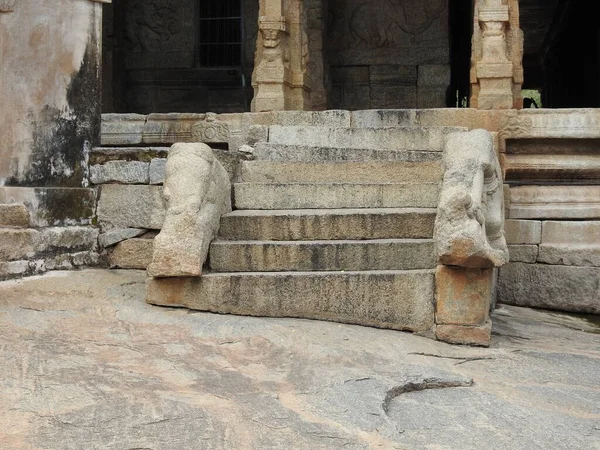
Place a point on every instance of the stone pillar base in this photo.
(480, 335)
(463, 299)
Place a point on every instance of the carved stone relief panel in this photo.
(159, 33)
(390, 40)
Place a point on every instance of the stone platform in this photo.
(86, 363)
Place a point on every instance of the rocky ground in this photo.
(86, 364)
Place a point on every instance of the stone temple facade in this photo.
(404, 164)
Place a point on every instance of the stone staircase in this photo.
(328, 223)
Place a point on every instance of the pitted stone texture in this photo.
(116, 235)
(555, 202)
(401, 300)
(69, 239)
(14, 215)
(122, 129)
(324, 154)
(463, 295)
(571, 232)
(523, 253)
(570, 254)
(396, 138)
(18, 243)
(132, 254)
(321, 224)
(480, 335)
(157, 170)
(523, 231)
(354, 172)
(469, 227)
(566, 288)
(335, 195)
(224, 383)
(128, 172)
(197, 192)
(267, 256)
(131, 206)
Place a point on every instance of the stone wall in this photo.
(50, 97)
(387, 53)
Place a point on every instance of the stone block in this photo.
(321, 154)
(14, 269)
(400, 300)
(552, 168)
(122, 129)
(298, 256)
(523, 231)
(335, 195)
(463, 296)
(570, 254)
(432, 96)
(328, 224)
(16, 243)
(54, 206)
(570, 232)
(555, 202)
(434, 75)
(128, 172)
(14, 215)
(393, 75)
(132, 254)
(566, 288)
(197, 193)
(116, 235)
(356, 172)
(131, 206)
(384, 96)
(480, 335)
(157, 170)
(390, 138)
(523, 253)
(69, 239)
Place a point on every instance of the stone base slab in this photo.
(400, 300)
(566, 288)
(480, 335)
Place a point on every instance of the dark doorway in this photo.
(179, 55)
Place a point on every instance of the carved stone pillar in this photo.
(496, 62)
(280, 80)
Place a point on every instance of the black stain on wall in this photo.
(62, 138)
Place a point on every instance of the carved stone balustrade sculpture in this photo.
(198, 192)
(469, 238)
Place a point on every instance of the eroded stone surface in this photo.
(132, 254)
(223, 382)
(197, 193)
(469, 226)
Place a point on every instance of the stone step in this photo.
(353, 172)
(268, 256)
(328, 224)
(14, 215)
(386, 138)
(335, 195)
(401, 300)
(318, 154)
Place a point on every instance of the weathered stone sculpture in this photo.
(198, 192)
(469, 238)
(469, 227)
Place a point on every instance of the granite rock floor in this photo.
(86, 364)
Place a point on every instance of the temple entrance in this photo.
(179, 55)
(396, 53)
